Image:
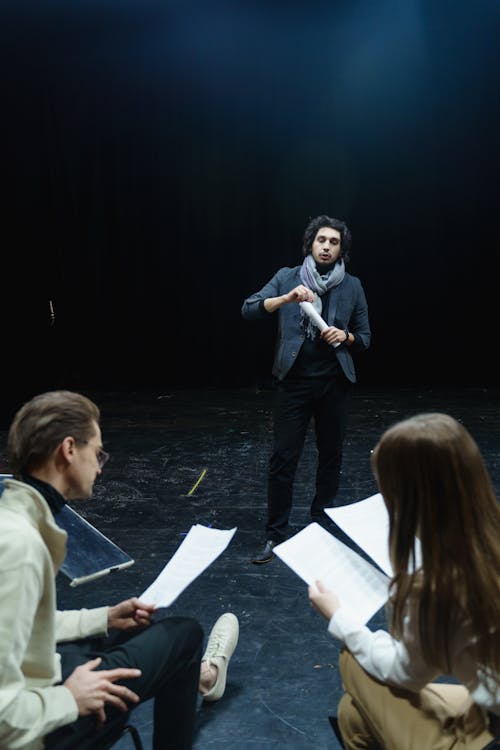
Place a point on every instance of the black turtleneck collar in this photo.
(324, 268)
(54, 499)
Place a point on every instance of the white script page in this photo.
(367, 523)
(201, 546)
(314, 554)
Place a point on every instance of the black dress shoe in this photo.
(266, 554)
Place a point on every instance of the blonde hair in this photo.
(42, 424)
(436, 486)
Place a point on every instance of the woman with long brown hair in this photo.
(444, 610)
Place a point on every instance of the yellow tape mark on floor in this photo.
(195, 485)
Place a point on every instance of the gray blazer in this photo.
(347, 308)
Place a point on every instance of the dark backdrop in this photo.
(161, 159)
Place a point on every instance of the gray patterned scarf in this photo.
(319, 284)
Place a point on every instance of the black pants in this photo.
(325, 400)
(168, 653)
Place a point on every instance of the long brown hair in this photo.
(436, 486)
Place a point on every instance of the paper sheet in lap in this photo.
(90, 554)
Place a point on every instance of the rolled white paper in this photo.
(316, 318)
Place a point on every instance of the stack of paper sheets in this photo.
(315, 555)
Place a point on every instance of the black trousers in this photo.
(168, 652)
(325, 400)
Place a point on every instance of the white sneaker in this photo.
(220, 647)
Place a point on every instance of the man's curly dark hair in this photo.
(326, 221)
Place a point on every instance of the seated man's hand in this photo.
(131, 613)
(92, 690)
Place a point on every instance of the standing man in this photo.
(314, 370)
(62, 677)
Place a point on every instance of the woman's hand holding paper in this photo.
(323, 600)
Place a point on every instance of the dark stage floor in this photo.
(283, 680)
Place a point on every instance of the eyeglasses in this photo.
(101, 456)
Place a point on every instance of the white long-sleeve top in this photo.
(401, 662)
